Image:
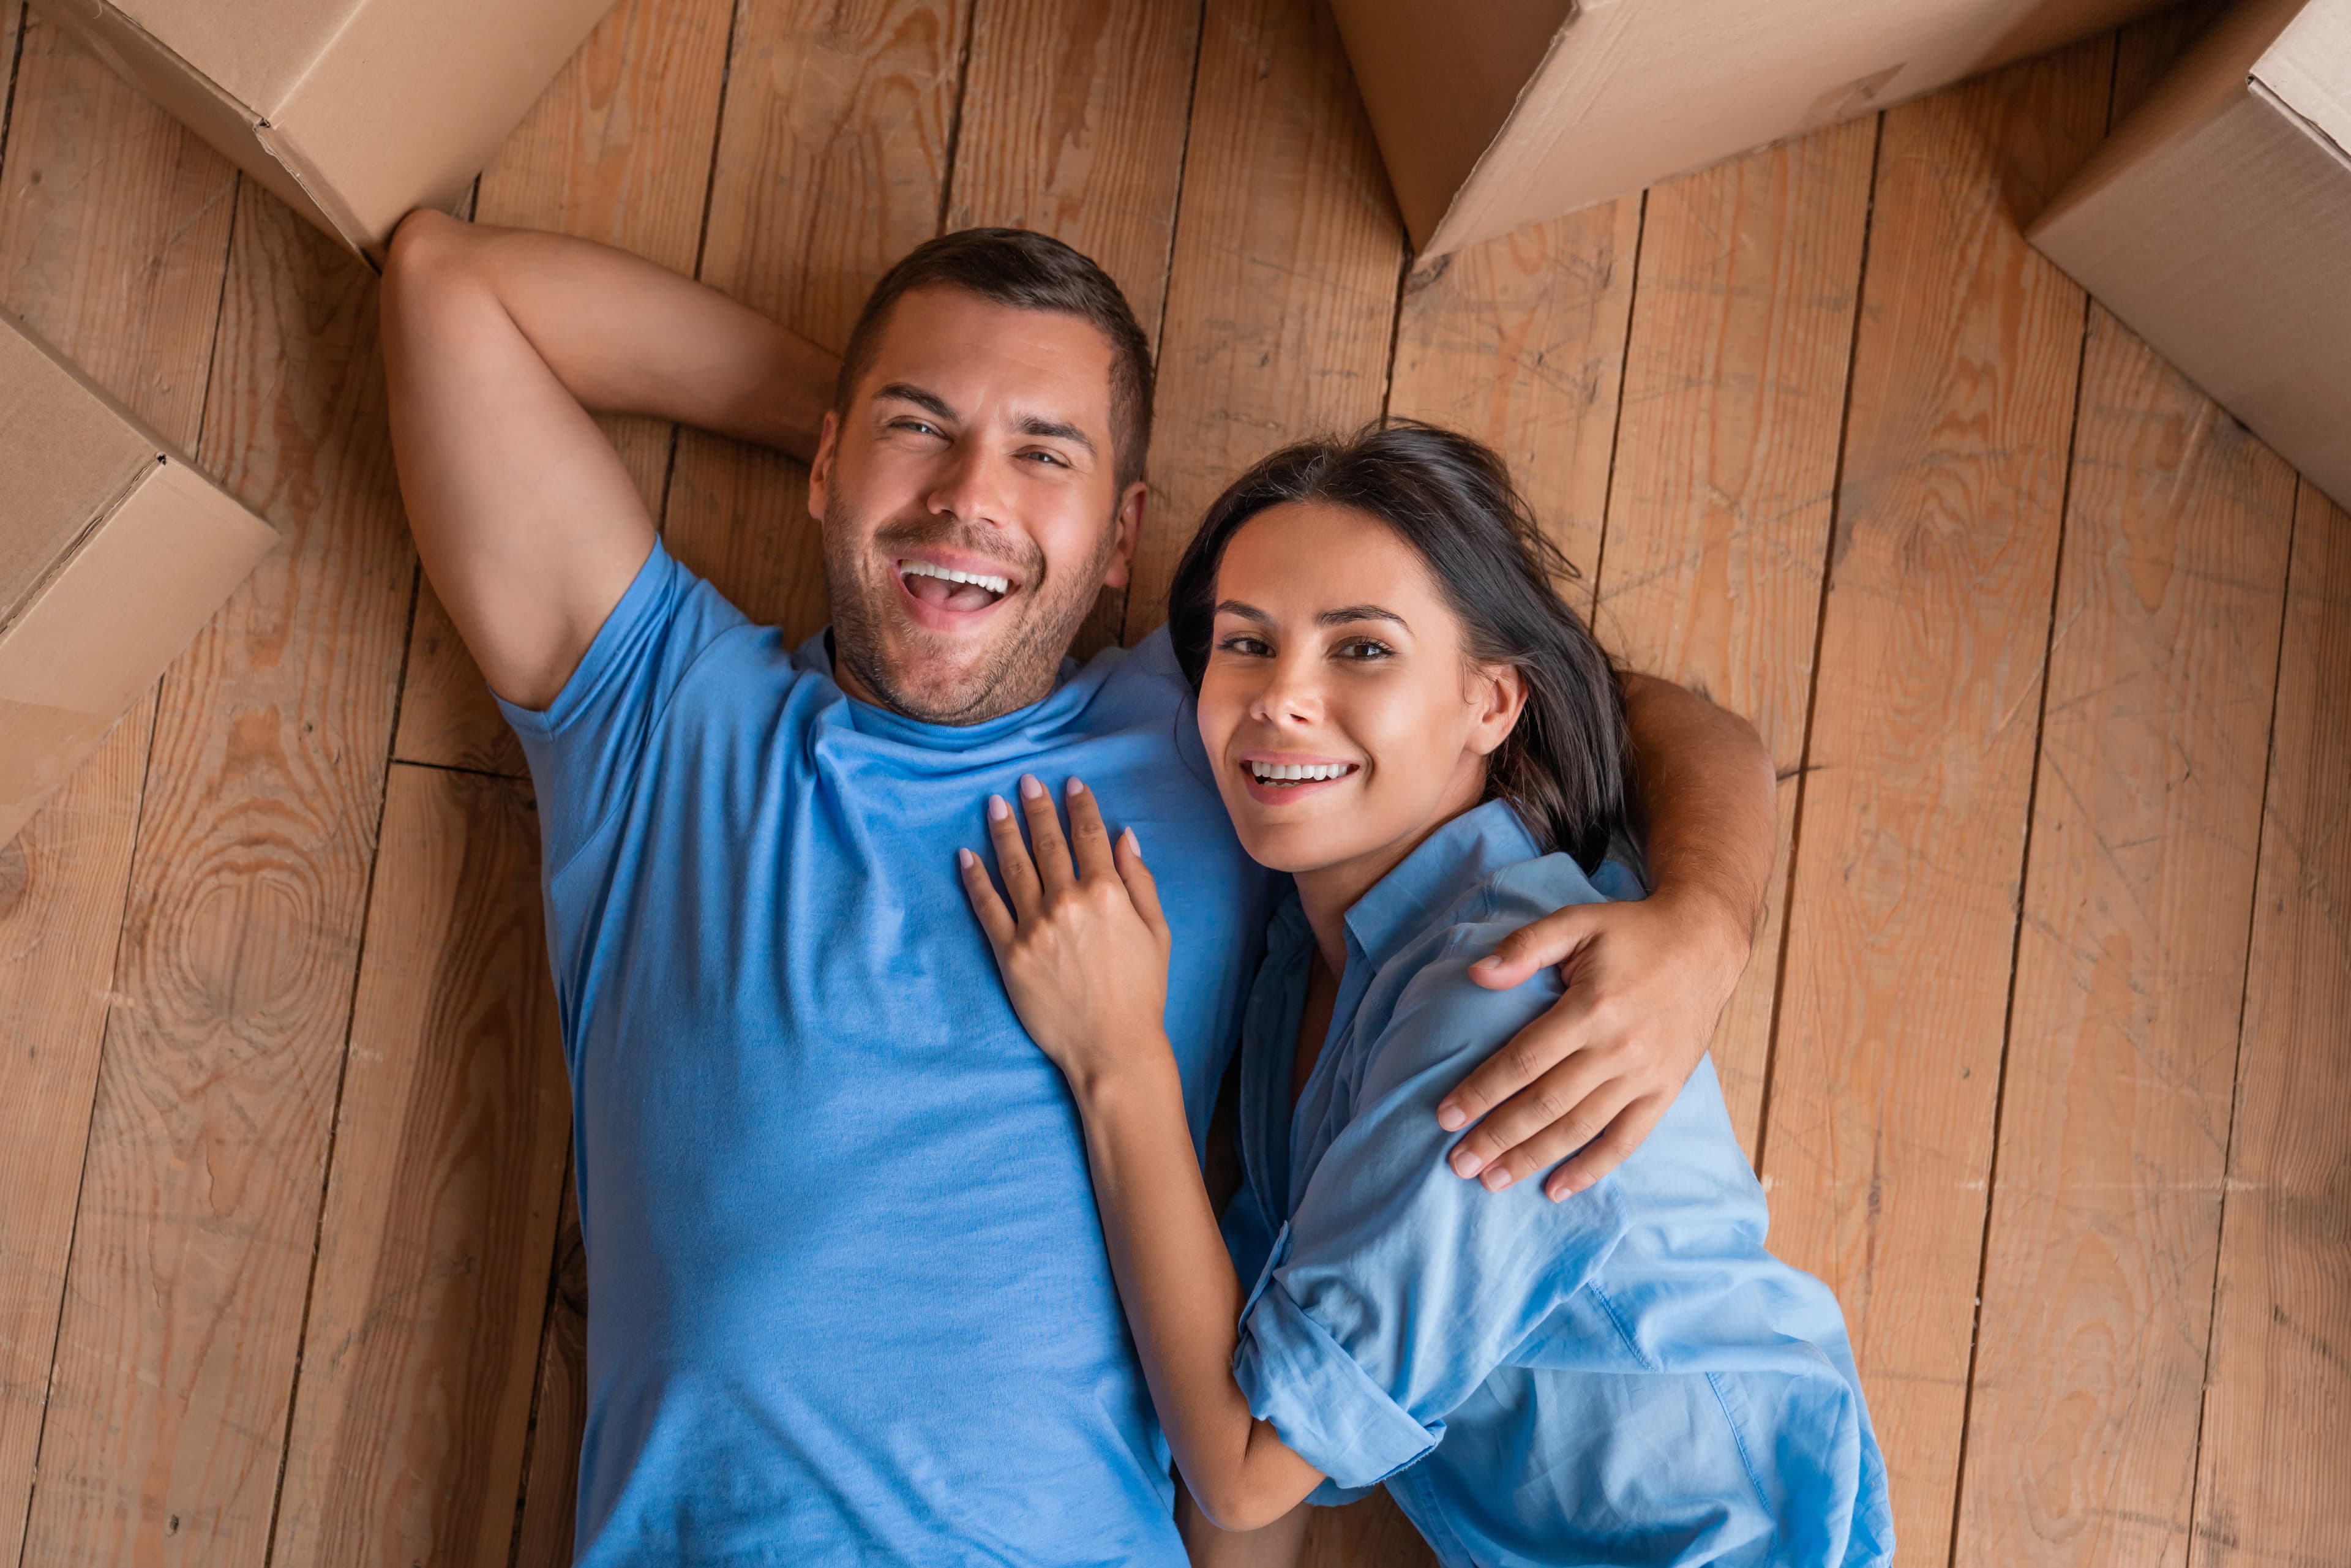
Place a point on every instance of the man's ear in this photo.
(1130, 531)
(820, 465)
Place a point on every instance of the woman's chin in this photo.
(1295, 847)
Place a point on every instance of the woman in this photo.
(1404, 716)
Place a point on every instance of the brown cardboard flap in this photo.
(105, 624)
(1438, 83)
(2215, 224)
(415, 98)
(185, 92)
(1632, 92)
(66, 460)
(2309, 69)
(253, 50)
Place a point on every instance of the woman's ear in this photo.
(1499, 705)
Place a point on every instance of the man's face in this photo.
(970, 506)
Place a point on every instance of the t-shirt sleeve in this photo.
(585, 745)
(1399, 1287)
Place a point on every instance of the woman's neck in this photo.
(1327, 892)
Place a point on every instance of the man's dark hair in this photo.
(1028, 272)
(1564, 766)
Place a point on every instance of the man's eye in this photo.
(918, 427)
(1248, 647)
(1360, 649)
(1052, 459)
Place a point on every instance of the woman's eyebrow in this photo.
(1347, 613)
(1245, 611)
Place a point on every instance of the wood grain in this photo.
(2131, 970)
(617, 150)
(1726, 474)
(1073, 122)
(1520, 341)
(200, 1201)
(113, 237)
(550, 1496)
(1281, 303)
(1910, 843)
(2277, 1394)
(831, 157)
(421, 1349)
(1281, 295)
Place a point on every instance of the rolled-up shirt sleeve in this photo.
(1398, 1287)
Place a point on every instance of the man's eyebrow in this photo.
(906, 392)
(1058, 430)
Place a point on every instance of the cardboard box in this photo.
(1500, 113)
(2216, 223)
(113, 552)
(353, 112)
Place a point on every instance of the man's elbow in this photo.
(1235, 1503)
(429, 252)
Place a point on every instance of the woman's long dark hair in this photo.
(1451, 499)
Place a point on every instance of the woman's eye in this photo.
(1246, 646)
(1363, 648)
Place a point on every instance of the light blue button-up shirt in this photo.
(1623, 1378)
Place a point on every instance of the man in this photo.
(851, 1299)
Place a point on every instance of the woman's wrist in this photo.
(1140, 1071)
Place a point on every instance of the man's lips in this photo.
(950, 592)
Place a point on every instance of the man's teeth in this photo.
(1276, 772)
(999, 585)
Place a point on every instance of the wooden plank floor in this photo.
(2042, 1054)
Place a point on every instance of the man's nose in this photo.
(970, 489)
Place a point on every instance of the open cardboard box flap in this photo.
(353, 112)
(1493, 116)
(2216, 223)
(113, 553)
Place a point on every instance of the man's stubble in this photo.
(1021, 666)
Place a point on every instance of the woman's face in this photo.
(1341, 710)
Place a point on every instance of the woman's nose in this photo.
(1290, 695)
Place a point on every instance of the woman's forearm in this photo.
(1182, 1299)
(625, 335)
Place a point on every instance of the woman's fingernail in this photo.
(1466, 1163)
(1449, 1117)
(1133, 845)
(1029, 788)
(996, 810)
(966, 858)
(1496, 1180)
(1490, 962)
(1077, 787)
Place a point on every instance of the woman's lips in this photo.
(1267, 792)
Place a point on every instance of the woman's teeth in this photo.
(1298, 772)
(948, 573)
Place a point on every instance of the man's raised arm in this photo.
(1648, 981)
(497, 343)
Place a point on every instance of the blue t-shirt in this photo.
(1627, 1376)
(850, 1302)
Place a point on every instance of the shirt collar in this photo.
(1445, 865)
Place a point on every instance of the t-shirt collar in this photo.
(816, 654)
